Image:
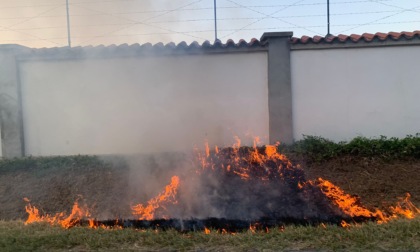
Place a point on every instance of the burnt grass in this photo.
(54, 183)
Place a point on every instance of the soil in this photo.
(108, 186)
(378, 183)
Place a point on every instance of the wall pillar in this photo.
(10, 105)
(279, 87)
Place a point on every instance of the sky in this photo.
(43, 23)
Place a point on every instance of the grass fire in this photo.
(240, 187)
(242, 193)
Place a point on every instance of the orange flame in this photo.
(252, 228)
(168, 196)
(348, 204)
(241, 164)
(351, 206)
(344, 224)
(207, 231)
(77, 214)
(207, 149)
(238, 142)
(405, 208)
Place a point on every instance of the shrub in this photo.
(317, 149)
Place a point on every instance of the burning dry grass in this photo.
(257, 185)
(400, 235)
(252, 183)
(246, 175)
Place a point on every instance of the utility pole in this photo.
(328, 18)
(68, 23)
(215, 21)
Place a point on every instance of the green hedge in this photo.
(310, 148)
(314, 148)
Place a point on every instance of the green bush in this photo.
(317, 149)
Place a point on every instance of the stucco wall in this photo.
(343, 93)
(143, 104)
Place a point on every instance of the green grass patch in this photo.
(319, 149)
(396, 235)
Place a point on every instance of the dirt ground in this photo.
(107, 187)
(378, 183)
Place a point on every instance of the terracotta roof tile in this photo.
(230, 44)
(305, 39)
(367, 37)
(182, 44)
(195, 44)
(407, 34)
(317, 39)
(160, 45)
(381, 36)
(342, 38)
(206, 44)
(354, 37)
(242, 43)
(149, 48)
(253, 42)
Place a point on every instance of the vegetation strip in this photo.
(395, 235)
(319, 149)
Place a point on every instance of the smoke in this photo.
(142, 105)
(217, 186)
(152, 109)
(95, 22)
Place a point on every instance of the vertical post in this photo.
(215, 21)
(11, 121)
(68, 23)
(328, 18)
(279, 87)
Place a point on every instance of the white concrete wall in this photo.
(142, 105)
(1, 145)
(343, 93)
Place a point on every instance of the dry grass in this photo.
(400, 235)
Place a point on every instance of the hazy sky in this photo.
(42, 23)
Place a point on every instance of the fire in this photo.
(77, 214)
(263, 165)
(167, 196)
(92, 223)
(253, 229)
(207, 231)
(33, 213)
(405, 208)
(351, 205)
(344, 224)
(238, 143)
(244, 162)
(207, 149)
